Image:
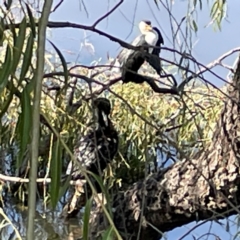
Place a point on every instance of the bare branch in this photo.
(57, 6)
(209, 66)
(107, 14)
(129, 46)
(6, 178)
(149, 80)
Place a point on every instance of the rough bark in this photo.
(191, 189)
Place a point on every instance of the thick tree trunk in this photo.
(191, 189)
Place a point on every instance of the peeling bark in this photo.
(191, 189)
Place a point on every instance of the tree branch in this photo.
(211, 65)
(57, 6)
(6, 178)
(124, 44)
(191, 189)
(107, 14)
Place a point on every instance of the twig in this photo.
(52, 24)
(103, 88)
(218, 61)
(57, 6)
(6, 178)
(10, 223)
(149, 80)
(129, 46)
(89, 67)
(107, 14)
(87, 79)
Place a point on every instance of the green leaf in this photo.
(218, 12)
(2, 28)
(55, 172)
(24, 122)
(32, 21)
(65, 186)
(65, 70)
(195, 27)
(5, 70)
(86, 218)
(214, 9)
(27, 58)
(7, 102)
(100, 182)
(108, 234)
(13, 31)
(18, 46)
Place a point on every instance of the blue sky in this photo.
(209, 45)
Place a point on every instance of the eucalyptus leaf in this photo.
(27, 58)
(24, 123)
(5, 69)
(86, 218)
(55, 172)
(18, 46)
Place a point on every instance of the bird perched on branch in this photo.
(131, 60)
(93, 151)
(100, 145)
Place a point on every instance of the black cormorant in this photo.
(99, 146)
(131, 60)
(94, 150)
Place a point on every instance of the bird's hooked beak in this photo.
(148, 28)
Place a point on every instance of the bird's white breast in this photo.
(151, 38)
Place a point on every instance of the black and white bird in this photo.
(131, 60)
(93, 152)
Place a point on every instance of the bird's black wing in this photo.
(154, 60)
(94, 151)
(156, 51)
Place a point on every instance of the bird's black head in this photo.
(148, 22)
(103, 107)
(103, 104)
